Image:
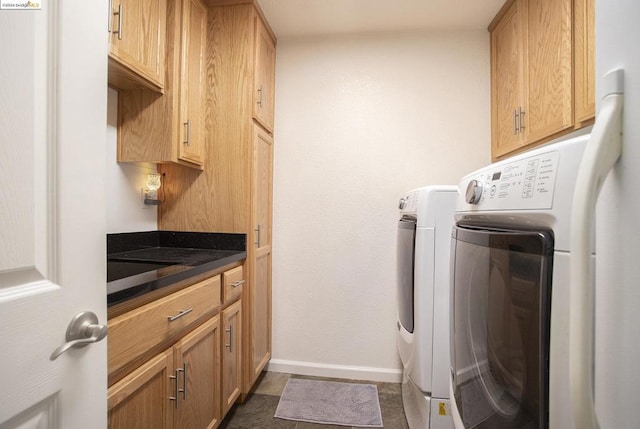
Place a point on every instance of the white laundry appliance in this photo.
(510, 257)
(593, 343)
(616, 287)
(424, 229)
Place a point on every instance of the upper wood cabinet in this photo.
(532, 74)
(171, 128)
(584, 64)
(192, 81)
(264, 75)
(548, 107)
(507, 83)
(136, 54)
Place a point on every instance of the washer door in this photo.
(500, 315)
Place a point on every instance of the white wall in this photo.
(360, 120)
(125, 209)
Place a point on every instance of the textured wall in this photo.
(360, 120)
(125, 210)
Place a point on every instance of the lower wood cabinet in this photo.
(179, 388)
(191, 384)
(231, 355)
(140, 400)
(197, 362)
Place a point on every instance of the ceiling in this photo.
(296, 18)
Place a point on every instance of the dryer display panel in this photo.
(528, 183)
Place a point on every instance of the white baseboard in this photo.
(388, 375)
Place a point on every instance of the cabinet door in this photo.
(141, 400)
(192, 81)
(137, 43)
(585, 89)
(264, 75)
(260, 252)
(197, 361)
(549, 82)
(507, 75)
(231, 355)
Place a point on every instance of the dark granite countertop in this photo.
(138, 263)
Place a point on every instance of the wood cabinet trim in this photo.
(503, 10)
(584, 54)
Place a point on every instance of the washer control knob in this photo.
(474, 192)
(403, 202)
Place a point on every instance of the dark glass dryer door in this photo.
(500, 322)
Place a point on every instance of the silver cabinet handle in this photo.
(236, 284)
(119, 13)
(230, 345)
(109, 24)
(183, 370)
(515, 121)
(180, 314)
(184, 381)
(520, 119)
(257, 230)
(82, 331)
(188, 124)
(260, 96)
(177, 389)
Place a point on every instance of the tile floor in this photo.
(258, 410)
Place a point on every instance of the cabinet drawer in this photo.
(134, 333)
(232, 282)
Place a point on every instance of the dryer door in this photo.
(500, 316)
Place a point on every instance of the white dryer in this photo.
(423, 253)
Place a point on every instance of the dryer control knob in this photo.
(402, 203)
(474, 192)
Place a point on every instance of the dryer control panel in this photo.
(521, 183)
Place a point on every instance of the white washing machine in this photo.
(423, 253)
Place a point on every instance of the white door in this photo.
(53, 97)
